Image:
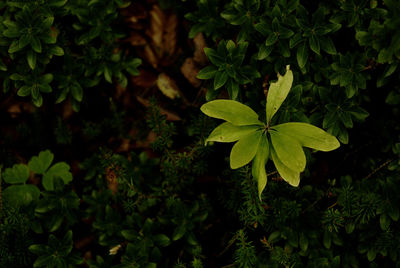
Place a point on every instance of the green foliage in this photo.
(44, 55)
(282, 143)
(227, 68)
(149, 192)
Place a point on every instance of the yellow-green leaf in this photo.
(245, 149)
(290, 176)
(232, 111)
(278, 92)
(288, 150)
(309, 136)
(227, 132)
(258, 168)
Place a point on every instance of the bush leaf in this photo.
(278, 92)
(232, 111)
(309, 136)
(288, 150)
(258, 168)
(245, 149)
(227, 132)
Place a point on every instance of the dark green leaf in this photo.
(302, 55)
(207, 72)
(39, 164)
(31, 58)
(314, 44)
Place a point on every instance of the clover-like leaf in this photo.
(278, 92)
(288, 150)
(232, 111)
(21, 195)
(259, 161)
(19, 173)
(245, 149)
(309, 136)
(60, 170)
(290, 176)
(39, 164)
(227, 132)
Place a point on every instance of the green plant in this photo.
(255, 140)
(57, 252)
(227, 69)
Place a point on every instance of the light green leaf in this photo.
(278, 92)
(288, 150)
(60, 170)
(245, 149)
(258, 168)
(19, 173)
(290, 176)
(232, 111)
(309, 136)
(227, 132)
(39, 164)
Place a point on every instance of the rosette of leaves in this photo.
(32, 37)
(277, 34)
(383, 34)
(348, 72)
(312, 35)
(341, 113)
(56, 253)
(227, 69)
(206, 19)
(257, 141)
(244, 14)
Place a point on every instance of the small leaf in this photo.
(290, 176)
(19, 173)
(220, 79)
(303, 241)
(245, 149)
(327, 45)
(314, 44)
(213, 56)
(76, 91)
(278, 92)
(162, 240)
(36, 45)
(46, 79)
(309, 136)
(39, 164)
(302, 55)
(31, 58)
(179, 232)
(232, 111)
(56, 50)
(258, 168)
(207, 72)
(24, 91)
(288, 150)
(227, 132)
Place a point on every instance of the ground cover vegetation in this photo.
(116, 118)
